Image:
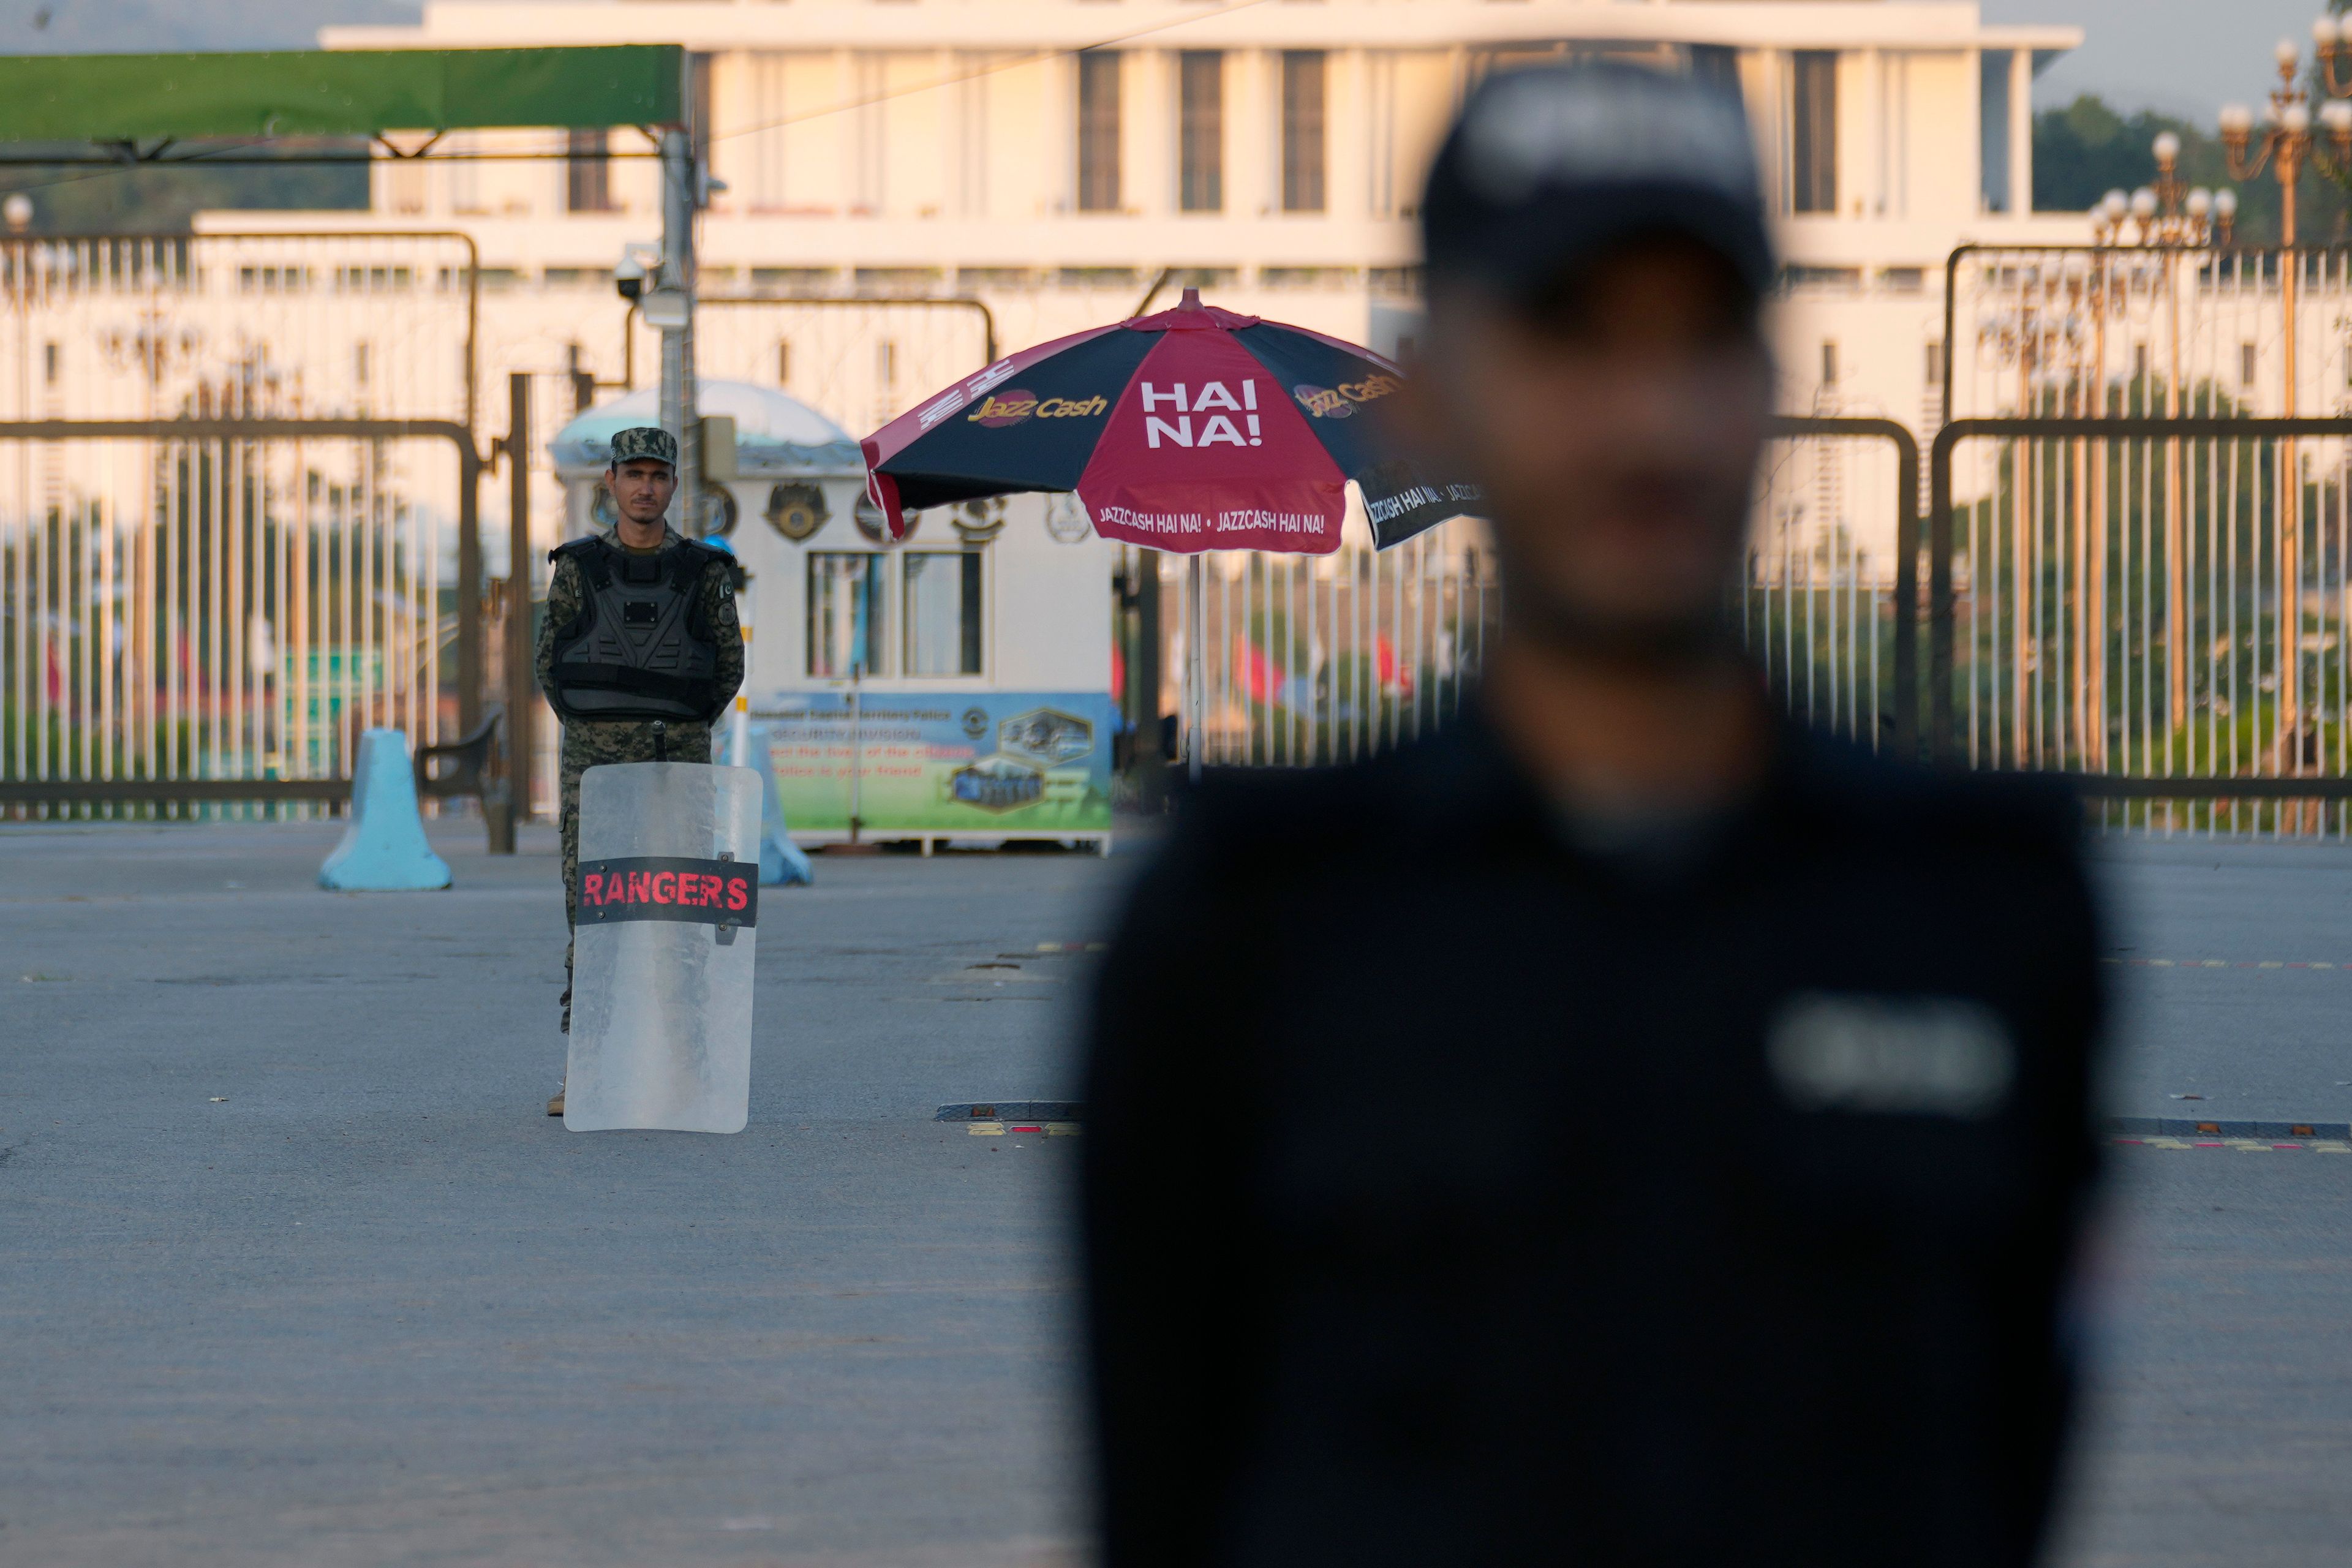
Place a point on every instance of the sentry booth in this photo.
(954, 685)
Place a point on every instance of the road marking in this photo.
(2224, 963)
(2242, 1145)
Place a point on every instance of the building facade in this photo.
(1052, 157)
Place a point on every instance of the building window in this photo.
(2245, 364)
(1302, 131)
(588, 170)
(1934, 364)
(1992, 129)
(845, 609)
(784, 361)
(1200, 131)
(1812, 140)
(1098, 132)
(942, 612)
(1829, 363)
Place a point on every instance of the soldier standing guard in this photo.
(640, 650)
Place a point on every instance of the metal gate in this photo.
(1828, 598)
(1316, 660)
(238, 481)
(217, 608)
(2155, 607)
(2084, 331)
(1324, 658)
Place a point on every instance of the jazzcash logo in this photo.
(1214, 406)
(1013, 405)
(1338, 402)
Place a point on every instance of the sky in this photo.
(143, 27)
(2184, 57)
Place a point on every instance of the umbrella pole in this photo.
(1195, 669)
(857, 746)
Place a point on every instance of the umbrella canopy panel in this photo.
(1194, 429)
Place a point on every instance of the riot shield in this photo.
(663, 944)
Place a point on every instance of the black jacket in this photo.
(1455, 1196)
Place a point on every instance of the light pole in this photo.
(670, 308)
(2287, 143)
(2171, 215)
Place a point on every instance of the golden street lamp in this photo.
(2168, 212)
(2332, 41)
(2287, 139)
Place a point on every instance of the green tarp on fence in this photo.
(357, 92)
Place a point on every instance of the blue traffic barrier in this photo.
(782, 863)
(383, 850)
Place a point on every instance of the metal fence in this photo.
(2138, 531)
(2155, 607)
(2092, 329)
(1828, 602)
(1314, 659)
(236, 492)
(1310, 660)
(284, 326)
(220, 600)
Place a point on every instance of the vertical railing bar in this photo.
(38, 601)
(2142, 750)
(1881, 598)
(1980, 517)
(375, 656)
(174, 586)
(2343, 619)
(212, 615)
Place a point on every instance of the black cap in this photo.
(1550, 166)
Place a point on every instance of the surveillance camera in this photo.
(629, 278)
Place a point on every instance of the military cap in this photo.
(645, 441)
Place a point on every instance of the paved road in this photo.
(295, 1273)
(2252, 1042)
(298, 1273)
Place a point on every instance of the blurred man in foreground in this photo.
(1624, 1128)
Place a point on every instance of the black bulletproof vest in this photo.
(641, 647)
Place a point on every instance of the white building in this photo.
(1051, 157)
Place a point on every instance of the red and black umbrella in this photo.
(1194, 429)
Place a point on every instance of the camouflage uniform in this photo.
(585, 745)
